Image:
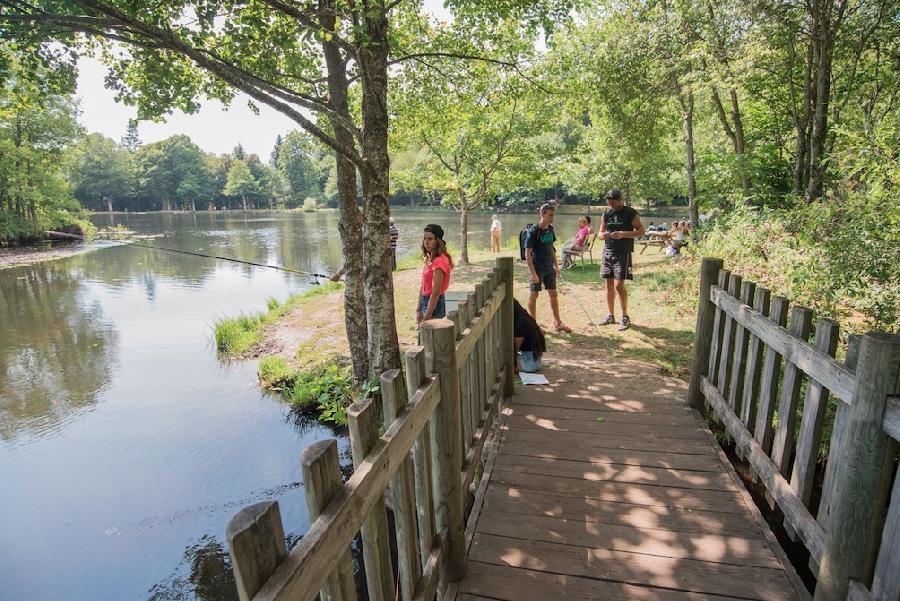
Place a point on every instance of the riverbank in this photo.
(662, 302)
(26, 255)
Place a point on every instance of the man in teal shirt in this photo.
(540, 255)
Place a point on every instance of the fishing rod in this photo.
(196, 254)
(572, 292)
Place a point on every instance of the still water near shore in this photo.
(125, 446)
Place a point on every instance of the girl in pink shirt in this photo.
(435, 276)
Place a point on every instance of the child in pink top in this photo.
(435, 276)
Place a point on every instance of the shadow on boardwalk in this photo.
(607, 486)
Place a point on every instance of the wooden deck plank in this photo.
(616, 494)
(574, 508)
(587, 470)
(574, 451)
(709, 578)
(503, 583)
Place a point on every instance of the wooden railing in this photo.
(436, 427)
(750, 369)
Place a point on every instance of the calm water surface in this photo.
(125, 446)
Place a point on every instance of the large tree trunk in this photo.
(350, 228)
(384, 348)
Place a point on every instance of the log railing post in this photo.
(402, 489)
(706, 312)
(852, 535)
(256, 541)
(440, 357)
(362, 421)
(507, 346)
(322, 482)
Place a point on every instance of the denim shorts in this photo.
(440, 309)
(528, 363)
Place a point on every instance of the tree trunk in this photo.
(822, 43)
(686, 99)
(384, 348)
(464, 229)
(350, 227)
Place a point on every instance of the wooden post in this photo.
(403, 489)
(440, 357)
(728, 338)
(769, 381)
(791, 381)
(739, 367)
(761, 301)
(322, 482)
(836, 448)
(415, 373)
(362, 421)
(256, 541)
(706, 313)
(715, 345)
(507, 345)
(813, 419)
(852, 535)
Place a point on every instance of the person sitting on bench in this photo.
(581, 238)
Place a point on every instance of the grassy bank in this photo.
(304, 354)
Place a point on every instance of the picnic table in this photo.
(654, 239)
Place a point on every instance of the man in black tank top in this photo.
(619, 227)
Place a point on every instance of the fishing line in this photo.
(572, 292)
(196, 254)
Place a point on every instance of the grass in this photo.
(312, 373)
(237, 336)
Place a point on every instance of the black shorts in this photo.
(616, 265)
(547, 278)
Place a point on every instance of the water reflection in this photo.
(204, 574)
(125, 445)
(58, 349)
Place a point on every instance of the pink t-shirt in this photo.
(443, 263)
(582, 235)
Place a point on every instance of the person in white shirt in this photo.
(496, 230)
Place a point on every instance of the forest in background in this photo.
(779, 117)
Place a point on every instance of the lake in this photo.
(125, 445)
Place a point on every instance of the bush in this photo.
(327, 389)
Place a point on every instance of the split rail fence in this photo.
(750, 367)
(436, 426)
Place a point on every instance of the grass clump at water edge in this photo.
(327, 389)
(236, 336)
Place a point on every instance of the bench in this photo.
(587, 248)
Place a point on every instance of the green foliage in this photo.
(327, 388)
(841, 258)
(310, 205)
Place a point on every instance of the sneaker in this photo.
(625, 323)
(608, 320)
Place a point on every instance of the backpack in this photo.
(522, 236)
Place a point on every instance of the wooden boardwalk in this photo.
(615, 489)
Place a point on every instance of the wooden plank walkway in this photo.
(616, 490)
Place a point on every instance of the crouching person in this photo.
(529, 339)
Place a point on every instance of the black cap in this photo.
(435, 229)
(614, 194)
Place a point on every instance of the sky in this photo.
(214, 129)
